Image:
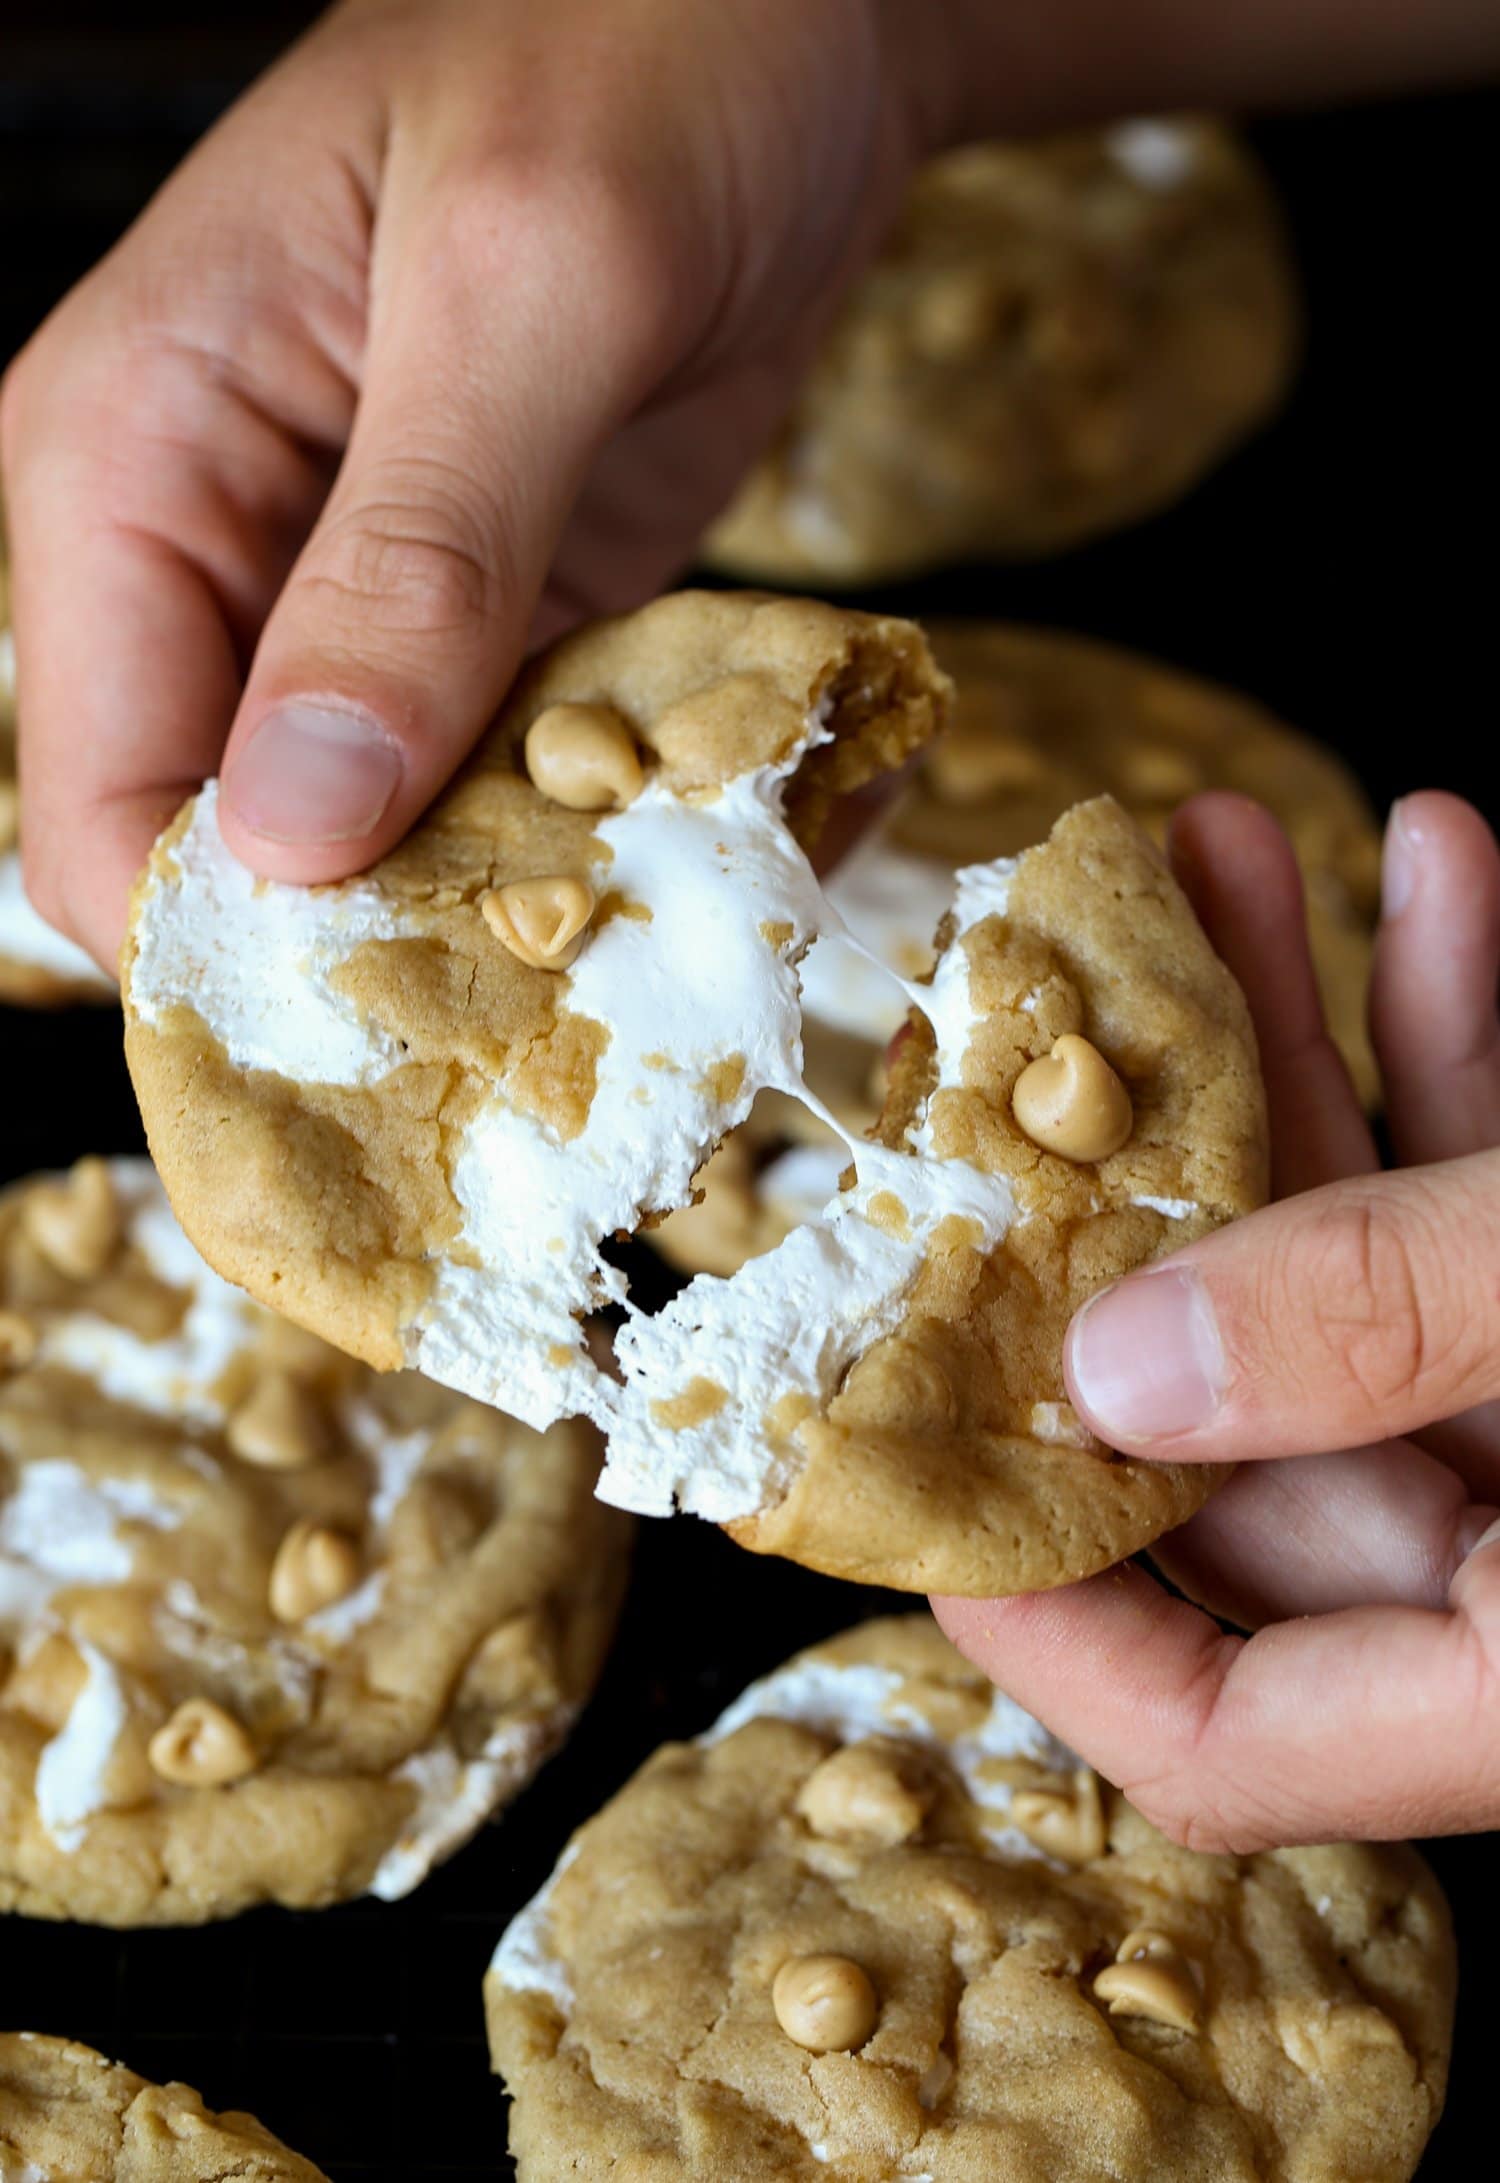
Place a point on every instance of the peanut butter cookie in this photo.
(1059, 337)
(414, 1108)
(877, 1924)
(67, 2112)
(271, 1626)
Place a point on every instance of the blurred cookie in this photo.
(877, 1923)
(69, 2115)
(38, 967)
(1058, 338)
(271, 1626)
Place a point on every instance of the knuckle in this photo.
(417, 557)
(1374, 1301)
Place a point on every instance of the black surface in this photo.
(1334, 570)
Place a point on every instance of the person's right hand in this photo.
(456, 330)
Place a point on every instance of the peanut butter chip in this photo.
(1150, 1977)
(201, 1747)
(17, 1341)
(1066, 1823)
(584, 757)
(279, 1426)
(314, 1566)
(859, 1795)
(543, 921)
(824, 2003)
(1072, 1103)
(75, 1224)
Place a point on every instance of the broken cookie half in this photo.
(412, 1110)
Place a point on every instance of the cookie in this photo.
(878, 1924)
(1040, 721)
(366, 1105)
(271, 1626)
(68, 2113)
(38, 967)
(1058, 338)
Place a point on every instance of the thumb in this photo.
(500, 357)
(1343, 1316)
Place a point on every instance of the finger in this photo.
(1364, 1527)
(166, 443)
(97, 796)
(504, 349)
(1433, 993)
(1347, 1315)
(1239, 872)
(1372, 1723)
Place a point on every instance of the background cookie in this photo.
(270, 1625)
(877, 1923)
(67, 2112)
(38, 967)
(1058, 337)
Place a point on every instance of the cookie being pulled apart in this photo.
(271, 1627)
(877, 1925)
(69, 2115)
(413, 1109)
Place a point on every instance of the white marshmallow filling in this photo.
(703, 1009)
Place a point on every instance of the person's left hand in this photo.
(1352, 1332)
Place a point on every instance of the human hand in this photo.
(457, 329)
(1343, 1346)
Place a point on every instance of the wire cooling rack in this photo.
(1325, 570)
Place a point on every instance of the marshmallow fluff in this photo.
(702, 1008)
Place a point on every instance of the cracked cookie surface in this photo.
(1107, 2007)
(271, 1626)
(69, 2115)
(1058, 338)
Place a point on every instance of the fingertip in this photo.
(311, 790)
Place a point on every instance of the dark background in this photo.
(1341, 570)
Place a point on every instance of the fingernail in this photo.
(1398, 864)
(1144, 1358)
(311, 774)
(1489, 1534)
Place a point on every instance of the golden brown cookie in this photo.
(1042, 720)
(370, 1107)
(69, 2115)
(877, 1924)
(371, 1103)
(881, 1396)
(271, 1626)
(1058, 338)
(38, 967)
